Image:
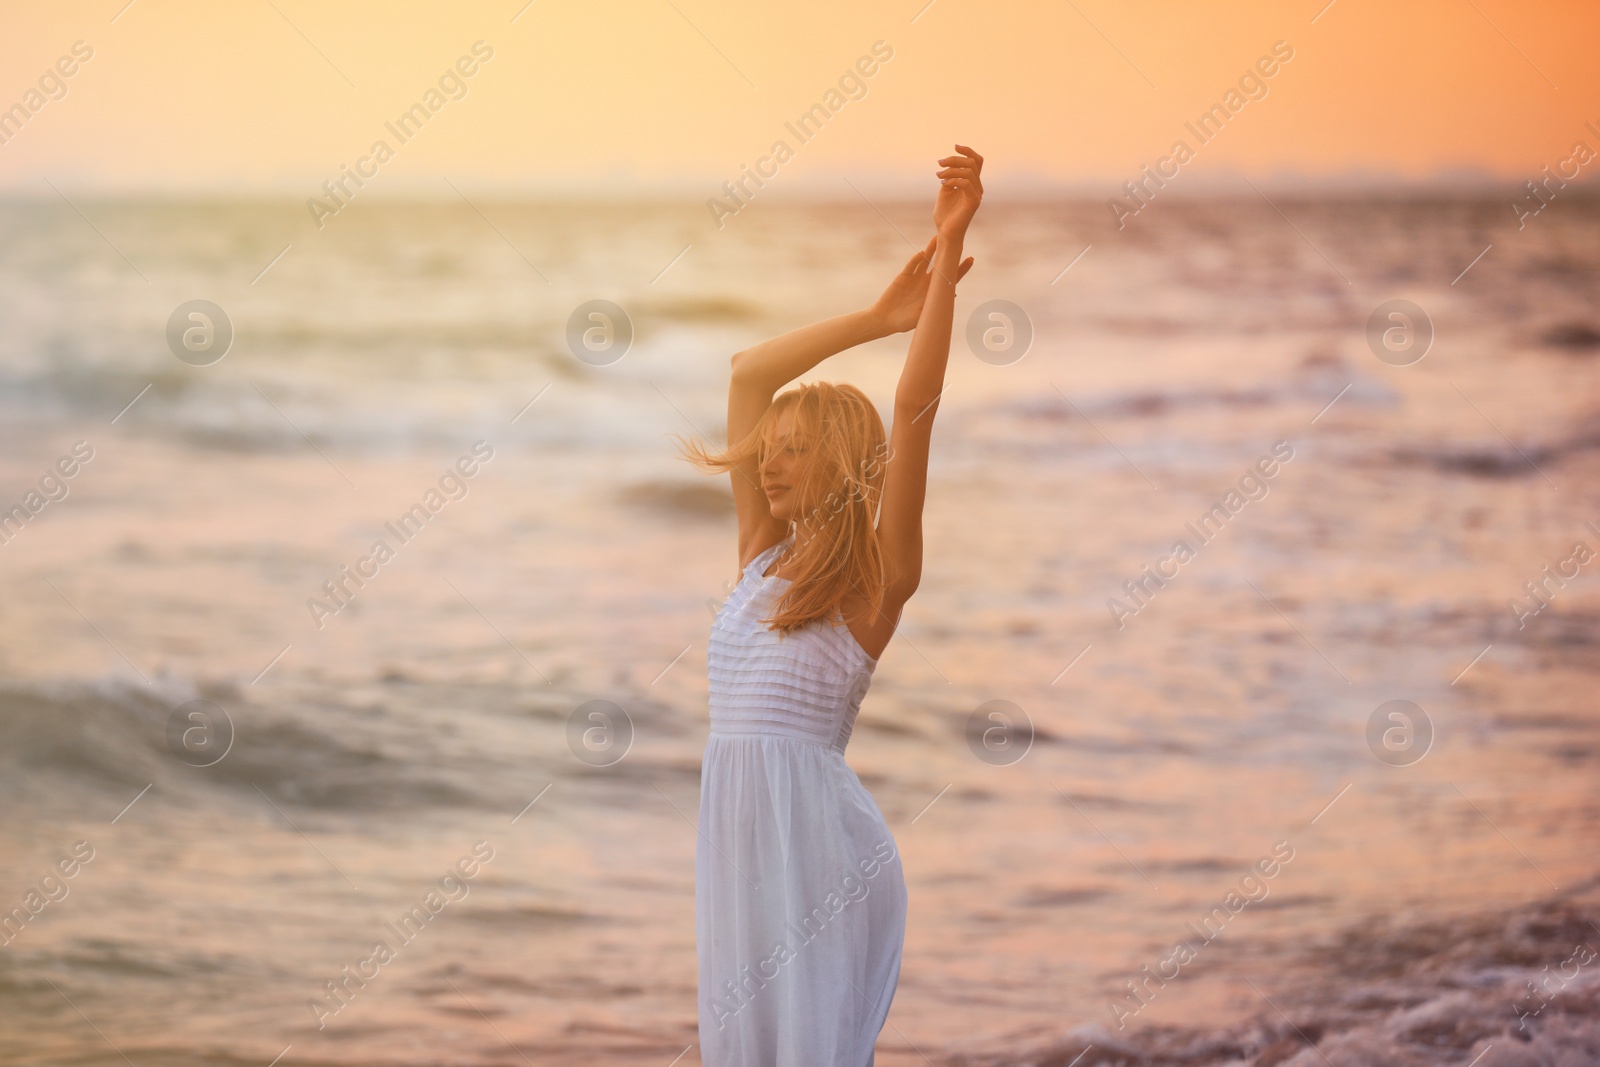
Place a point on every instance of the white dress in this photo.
(800, 902)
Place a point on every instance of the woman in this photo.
(800, 902)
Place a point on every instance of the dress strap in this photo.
(765, 556)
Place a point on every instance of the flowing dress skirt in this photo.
(800, 907)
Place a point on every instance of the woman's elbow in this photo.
(900, 587)
(739, 364)
(747, 376)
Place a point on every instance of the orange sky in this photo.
(278, 94)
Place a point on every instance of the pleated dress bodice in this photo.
(806, 685)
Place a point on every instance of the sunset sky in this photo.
(255, 95)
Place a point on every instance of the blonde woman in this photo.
(800, 903)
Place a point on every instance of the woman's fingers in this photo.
(964, 268)
(963, 178)
(920, 262)
(974, 161)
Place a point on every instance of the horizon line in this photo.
(837, 187)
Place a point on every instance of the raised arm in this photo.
(922, 380)
(760, 371)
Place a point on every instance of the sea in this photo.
(356, 594)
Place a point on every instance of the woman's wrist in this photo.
(947, 257)
(872, 324)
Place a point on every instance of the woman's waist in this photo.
(831, 732)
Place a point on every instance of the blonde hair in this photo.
(840, 494)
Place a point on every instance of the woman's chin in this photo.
(783, 507)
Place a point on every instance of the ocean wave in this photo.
(1320, 384)
(1576, 338)
(99, 744)
(680, 499)
(1385, 993)
(1502, 461)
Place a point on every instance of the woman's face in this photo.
(784, 468)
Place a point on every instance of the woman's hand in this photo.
(900, 306)
(960, 192)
